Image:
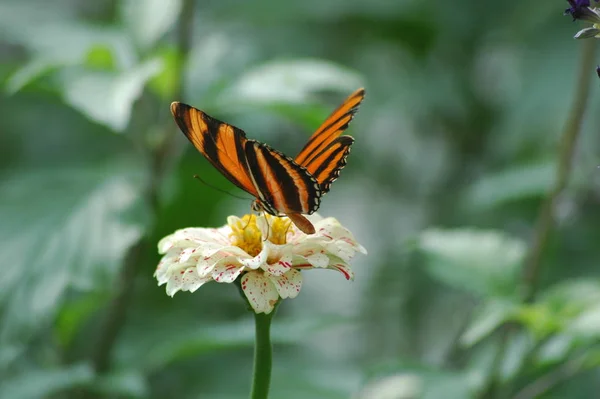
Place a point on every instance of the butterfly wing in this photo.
(326, 165)
(222, 144)
(324, 155)
(283, 186)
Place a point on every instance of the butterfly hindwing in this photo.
(326, 166)
(333, 127)
(324, 155)
(281, 183)
(222, 144)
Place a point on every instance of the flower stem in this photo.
(262, 356)
(545, 220)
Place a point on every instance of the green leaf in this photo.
(290, 82)
(189, 339)
(26, 74)
(34, 384)
(587, 324)
(568, 307)
(518, 346)
(448, 385)
(539, 319)
(572, 296)
(512, 184)
(100, 57)
(483, 262)
(555, 349)
(113, 93)
(489, 317)
(62, 228)
(148, 20)
(403, 385)
(165, 83)
(123, 383)
(64, 42)
(74, 313)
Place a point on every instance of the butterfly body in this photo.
(281, 185)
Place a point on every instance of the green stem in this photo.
(263, 354)
(545, 220)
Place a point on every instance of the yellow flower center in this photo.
(278, 229)
(246, 235)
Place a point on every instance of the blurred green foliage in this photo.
(457, 145)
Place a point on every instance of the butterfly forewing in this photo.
(281, 183)
(222, 144)
(332, 128)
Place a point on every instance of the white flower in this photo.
(265, 253)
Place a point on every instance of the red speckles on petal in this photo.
(226, 271)
(261, 293)
(344, 269)
(325, 235)
(289, 284)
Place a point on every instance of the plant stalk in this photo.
(545, 221)
(263, 353)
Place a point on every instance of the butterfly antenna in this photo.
(247, 224)
(287, 230)
(268, 226)
(219, 189)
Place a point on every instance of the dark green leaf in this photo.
(35, 384)
(62, 228)
(114, 92)
(148, 20)
(482, 262)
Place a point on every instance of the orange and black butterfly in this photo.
(280, 184)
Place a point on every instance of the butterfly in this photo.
(280, 185)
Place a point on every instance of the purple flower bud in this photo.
(580, 9)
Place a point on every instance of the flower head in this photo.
(265, 253)
(580, 9)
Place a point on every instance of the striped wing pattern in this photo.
(281, 185)
(222, 144)
(326, 166)
(324, 155)
(278, 183)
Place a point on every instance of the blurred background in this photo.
(482, 274)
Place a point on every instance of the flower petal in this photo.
(227, 270)
(279, 268)
(162, 270)
(207, 263)
(260, 291)
(341, 249)
(344, 269)
(318, 259)
(332, 229)
(289, 284)
(258, 260)
(193, 237)
(185, 280)
(186, 253)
